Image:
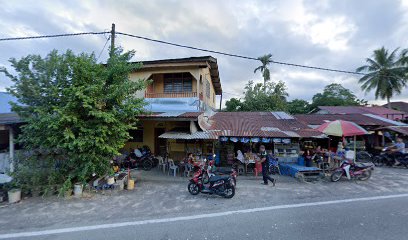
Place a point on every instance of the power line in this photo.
(53, 36)
(236, 55)
(107, 40)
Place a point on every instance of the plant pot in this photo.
(78, 190)
(14, 195)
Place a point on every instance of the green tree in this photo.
(265, 60)
(260, 97)
(386, 73)
(76, 110)
(336, 95)
(298, 106)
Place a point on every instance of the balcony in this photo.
(171, 95)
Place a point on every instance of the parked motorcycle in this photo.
(211, 170)
(138, 158)
(360, 171)
(220, 185)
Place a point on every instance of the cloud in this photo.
(333, 34)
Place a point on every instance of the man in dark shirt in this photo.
(265, 166)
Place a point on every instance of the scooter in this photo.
(360, 171)
(220, 185)
(388, 158)
(210, 171)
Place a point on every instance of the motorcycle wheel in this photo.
(193, 189)
(378, 161)
(229, 192)
(364, 176)
(336, 175)
(147, 165)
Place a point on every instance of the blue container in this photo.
(301, 161)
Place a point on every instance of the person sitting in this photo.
(399, 149)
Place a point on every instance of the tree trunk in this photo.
(388, 103)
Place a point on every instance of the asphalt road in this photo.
(366, 218)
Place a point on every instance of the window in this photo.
(178, 82)
(207, 89)
(136, 134)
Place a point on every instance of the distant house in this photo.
(376, 110)
(399, 106)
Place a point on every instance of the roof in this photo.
(378, 110)
(399, 129)
(203, 61)
(400, 106)
(172, 114)
(259, 124)
(360, 119)
(188, 136)
(5, 98)
(9, 118)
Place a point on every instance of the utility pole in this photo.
(220, 102)
(112, 49)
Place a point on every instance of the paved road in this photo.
(366, 218)
(161, 197)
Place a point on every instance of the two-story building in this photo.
(180, 91)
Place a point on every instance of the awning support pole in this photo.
(11, 149)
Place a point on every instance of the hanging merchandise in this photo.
(286, 140)
(277, 140)
(255, 139)
(223, 139)
(244, 140)
(234, 139)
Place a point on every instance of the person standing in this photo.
(263, 156)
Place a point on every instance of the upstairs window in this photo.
(178, 82)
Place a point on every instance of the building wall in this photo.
(199, 87)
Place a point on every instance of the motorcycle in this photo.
(141, 157)
(211, 170)
(389, 158)
(360, 171)
(220, 185)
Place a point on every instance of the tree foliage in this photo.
(298, 106)
(336, 95)
(265, 61)
(385, 73)
(259, 97)
(77, 112)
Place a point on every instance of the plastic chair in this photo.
(258, 168)
(162, 165)
(187, 170)
(173, 167)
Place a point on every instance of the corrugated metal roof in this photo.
(9, 118)
(259, 124)
(392, 122)
(377, 110)
(188, 136)
(360, 119)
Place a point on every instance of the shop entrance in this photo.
(160, 143)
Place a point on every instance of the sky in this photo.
(330, 34)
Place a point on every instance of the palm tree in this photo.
(265, 60)
(385, 72)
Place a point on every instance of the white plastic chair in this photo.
(162, 165)
(172, 167)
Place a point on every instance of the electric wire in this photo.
(52, 36)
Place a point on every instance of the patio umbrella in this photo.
(342, 128)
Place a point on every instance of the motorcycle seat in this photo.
(217, 178)
(363, 165)
(224, 171)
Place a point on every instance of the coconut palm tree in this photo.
(385, 73)
(265, 60)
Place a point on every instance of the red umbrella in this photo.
(342, 128)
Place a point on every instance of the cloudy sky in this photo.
(332, 34)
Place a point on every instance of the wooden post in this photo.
(11, 149)
(112, 50)
(220, 101)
